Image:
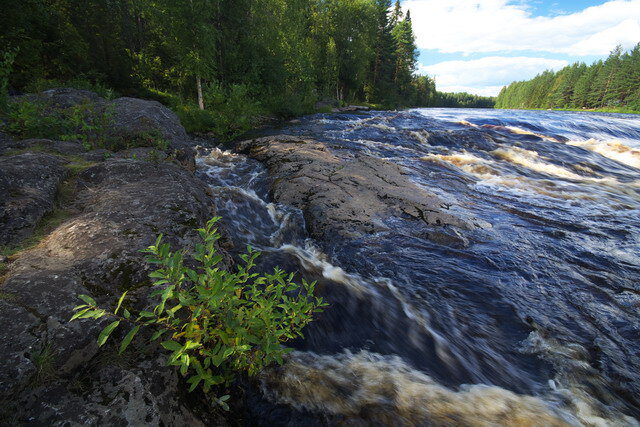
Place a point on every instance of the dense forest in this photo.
(463, 100)
(257, 56)
(613, 83)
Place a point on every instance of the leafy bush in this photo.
(233, 109)
(216, 323)
(28, 119)
(230, 111)
(196, 120)
(288, 105)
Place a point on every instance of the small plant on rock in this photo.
(215, 323)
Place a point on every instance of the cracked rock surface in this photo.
(343, 194)
(28, 184)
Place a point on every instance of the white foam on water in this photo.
(533, 161)
(385, 390)
(421, 136)
(519, 131)
(314, 259)
(613, 149)
(488, 172)
(572, 371)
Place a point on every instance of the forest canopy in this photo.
(281, 54)
(610, 83)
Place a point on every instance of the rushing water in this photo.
(541, 311)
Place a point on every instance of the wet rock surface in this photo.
(28, 184)
(52, 371)
(345, 194)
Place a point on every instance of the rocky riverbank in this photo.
(92, 213)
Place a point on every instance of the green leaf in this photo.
(157, 334)
(120, 302)
(195, 380)
(88, 299)
(158, 274)
(190, 344)
(171, 345)
(127, 339)
(104, 335)
(79, 314)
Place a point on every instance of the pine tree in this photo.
(380, 83)
(406, 53)
(396, 16)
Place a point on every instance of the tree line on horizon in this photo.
(611, 83)
(463, 100)
(284, 54)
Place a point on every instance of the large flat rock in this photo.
(343, 194)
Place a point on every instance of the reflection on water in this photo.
(546, 303)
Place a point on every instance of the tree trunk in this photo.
(199, 87)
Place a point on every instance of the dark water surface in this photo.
(545, 302)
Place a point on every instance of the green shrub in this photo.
(168, 99)
(234, 110)
(230, 112)
(216, 323)
(88, 124)
(30, 119)
(196, 120)
(289, 105)
(6, 65)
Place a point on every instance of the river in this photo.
(539, 310)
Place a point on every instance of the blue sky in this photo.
(478, 46)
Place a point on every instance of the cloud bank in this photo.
(471, 26)
(486, 76)
(515, 40)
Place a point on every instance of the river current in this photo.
(539, 310)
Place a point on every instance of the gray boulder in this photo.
(139, 116)
(131, 117)
(28, 184)
(39, 144)
(63, 97)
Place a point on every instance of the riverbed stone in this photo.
(346, 194)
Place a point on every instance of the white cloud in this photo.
(471, 26)
(486, 76)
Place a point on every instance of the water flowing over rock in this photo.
(344, 194)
